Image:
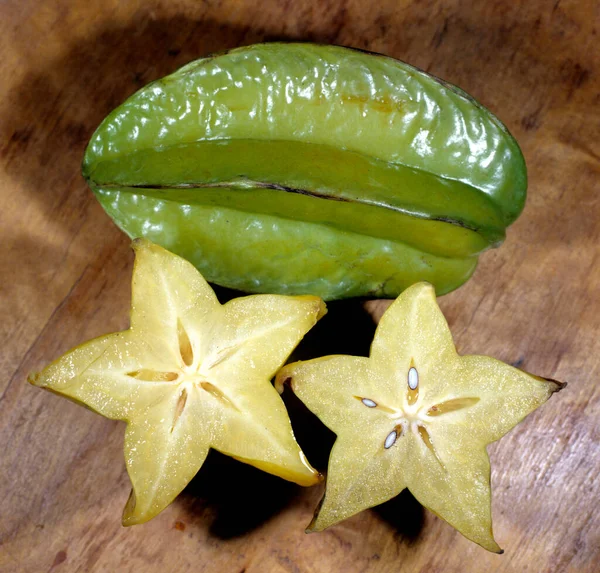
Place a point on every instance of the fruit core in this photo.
(414, 417)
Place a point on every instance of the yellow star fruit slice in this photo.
(414, 415)
(189, 375)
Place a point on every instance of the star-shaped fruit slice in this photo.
(414, 415)
(190, 374)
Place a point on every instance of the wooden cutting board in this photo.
(65, 274)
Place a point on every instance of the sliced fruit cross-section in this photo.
(190, 374)
(414, 415)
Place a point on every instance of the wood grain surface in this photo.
(65, 277)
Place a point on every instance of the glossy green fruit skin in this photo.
(334, 264)
(297, 168)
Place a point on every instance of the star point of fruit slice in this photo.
(414, 415)
(190, 374)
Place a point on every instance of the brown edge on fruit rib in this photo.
(281, 384)
(310, 528)
(249, 184)
(555, 385)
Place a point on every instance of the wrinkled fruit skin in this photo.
(298, 168)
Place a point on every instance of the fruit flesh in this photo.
(430, 438)
(349, 141)
(189, 375)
